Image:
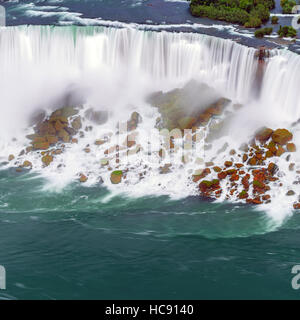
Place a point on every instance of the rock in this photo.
(165, 169)
(239, 165)
(264, 134)
(87, 150)
(41, 146)
(58, 125)
(57, 152)
(65, 112)
(82, 178)
(135, 119)
(45, 128)
(282, 136)
(291, 166)
(98, 117)
(296, 206)
(116, 177)
(232, 152)
(291, 147)
(222, 175)
(74, 140)
(187, 122)
(228, 164)
(64, 136)
(76, 123)
(266, 197)
(243, 195)
(11, 157)
(99, 142)
(252, 161)
(200, 174)
(279, 151)
(27, 164)
(245, 158)
(272, 168)
(206, 187)
(47, 159)
(51, 139)
(290, 193)
(217, 169)
(130, 144)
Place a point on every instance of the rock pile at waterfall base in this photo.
(63, 127)
(187, 108)
(249, 179)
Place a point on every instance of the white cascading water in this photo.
(115, 70)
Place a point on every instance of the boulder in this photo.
(264, 134)
(290, 193)
(165, 169)
(64, 136)
(76, 123)
(99, 142)
(27, 164)
(282, 136)
(82, 178)
(47, 159)
(291, 147)
(41, 146)
(11, 157)
(66, 112)
(116, 177)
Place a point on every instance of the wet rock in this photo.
(243, 195)
(76, 123)
(282, 136)
(165, 169)
(296, 206)
(272, 168)
(280, 151)
(11, 157)
(27, 164)
(82, 178)
(47, 159)
(66, 112)
(187, 122)
(207, 187)
(292, 166)
(116, 177)
(228, 164)
(290, 193)
(291, 147)
(64, 136)
(99, 142)
(41, 146)
(264, 134)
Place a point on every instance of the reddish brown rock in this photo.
(264, 134)
(228, 164)
(291, 147)
(282, 136)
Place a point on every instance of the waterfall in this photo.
(115, 69)
(161, 55)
